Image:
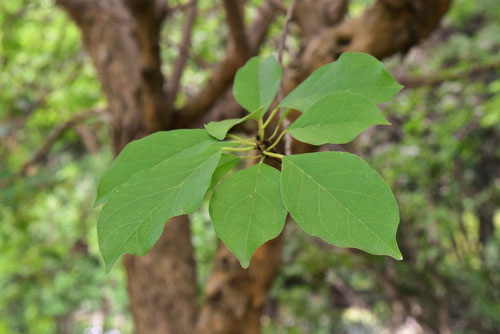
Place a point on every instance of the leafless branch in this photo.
(54, 136)
(180, 62)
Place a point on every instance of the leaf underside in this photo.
(256, 83)
(132, 220)
(246, 210)
(339, 198)
(146, 153)
(357, 73)
(337, 119)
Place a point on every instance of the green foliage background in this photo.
(439, 158)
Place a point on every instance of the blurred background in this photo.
(441, 157)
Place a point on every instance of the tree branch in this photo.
(182, 57)
(56, 133)
(235, 19)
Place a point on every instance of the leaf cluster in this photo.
(332, 195)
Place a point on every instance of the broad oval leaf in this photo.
(357, 73)
(338, 197)
(246, 210)
(133, 218)
(146, 153)
(256, 83)
(219, 129)
(336, 119)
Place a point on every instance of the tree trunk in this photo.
(122, 38)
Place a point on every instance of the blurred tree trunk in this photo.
(122, 37)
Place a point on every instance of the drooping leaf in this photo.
(256, 83)
(226, 163)
(146, 153)
(336, 119)
(220, 129)
(132, 220)
(246, 210)
(338, 197)
(357, 73)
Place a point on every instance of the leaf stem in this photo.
(277, 140)
(241, 140)
(276, 129)
(275, 155)
(238, 149)
(261, 129)
(268, 120)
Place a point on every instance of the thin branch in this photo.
(236, 23)
(54, 136)
(182, 57)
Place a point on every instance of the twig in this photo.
(54, 136)
(180, 62)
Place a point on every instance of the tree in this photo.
(123, 40)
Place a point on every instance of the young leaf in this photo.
(146, 153)
(339, 198)
(357, 73)
(220, 129)
(336, 119)
(256, 83)
(226, 163)
(132, 220)
(246, 210)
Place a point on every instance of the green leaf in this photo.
(336, 119)
(133, 218)
(226, 163)
(357, 73)
(246, 210)
(256, 83)
(146, 153)
(220, 129)
(339, 198)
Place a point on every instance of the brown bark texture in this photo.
(122, 37)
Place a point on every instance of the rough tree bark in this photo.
(122, 37)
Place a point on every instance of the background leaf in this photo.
(336, 119)
(357, 73)
(146, 153)
(256, 83)
(132, 220)
(246, 210)
(338, 197)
